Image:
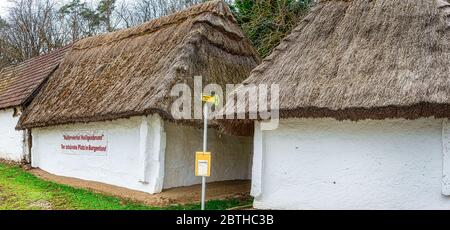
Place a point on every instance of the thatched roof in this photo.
(131, 72)
(19, 83)
(364, 59)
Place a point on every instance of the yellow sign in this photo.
(203, 164)
(210, 99)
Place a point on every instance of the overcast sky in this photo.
(5, 3)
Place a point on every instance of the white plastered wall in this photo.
(132, 160)
(446, 157)
(144, 153)
(11, 141)
(329, 164)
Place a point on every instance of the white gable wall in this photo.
(11, 140)
(144, 153)
(120, 166)
(231, 156)
(329, 164)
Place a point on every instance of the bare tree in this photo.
(29, 30)
(133, 12)
(33, 27)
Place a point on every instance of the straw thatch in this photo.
(364, 59)
(131, 72)
(19, 83)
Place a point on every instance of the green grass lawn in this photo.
(20, 190)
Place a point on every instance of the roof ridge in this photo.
(444, 7)
(216, 7)
(442, 3)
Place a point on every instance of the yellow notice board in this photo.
(203, 164)
(210, 99)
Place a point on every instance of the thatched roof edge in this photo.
(320, 24)
(208, 39)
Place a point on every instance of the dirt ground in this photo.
(182, 195)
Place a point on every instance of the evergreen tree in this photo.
(105, 11)
(266, 22)
(82, 20)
